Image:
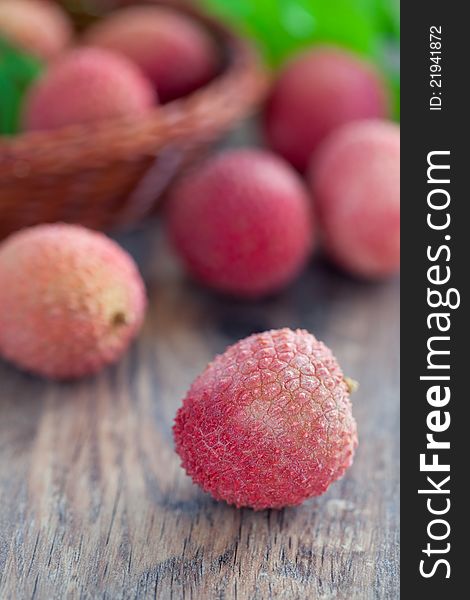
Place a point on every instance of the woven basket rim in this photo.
(53, 152)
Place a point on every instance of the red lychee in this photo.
(71, 300)
(356, 187)
(268, 424)
(87, 85)
(37, 26)
(171, 49)
(317, 92)
(242, 224)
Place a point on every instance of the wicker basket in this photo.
(110, 175)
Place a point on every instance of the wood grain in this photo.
(94, 504)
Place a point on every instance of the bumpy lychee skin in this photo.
(71, 300)
(171, 49)
(316, 93)
(243, 223)
(268, 424)
(87, 85)
(355, 181)
(37, 26)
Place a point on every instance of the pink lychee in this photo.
(317, 92)
(176, 53)
(269, 423)
(355, 182)
(87, 85)
(242, 224)
(71, 300)
(37, 26)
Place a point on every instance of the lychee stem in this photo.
(352, 385)
(119, 319)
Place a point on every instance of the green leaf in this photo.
(17, 72)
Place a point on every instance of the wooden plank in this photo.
(94, 504)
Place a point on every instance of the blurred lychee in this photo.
(87, 85)
(37, 26)
(174, 51)
(355, 181)
(242, 224)
(71, 300)
(317, 92)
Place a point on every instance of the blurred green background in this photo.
(17, 71)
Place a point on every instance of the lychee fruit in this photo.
(317, 92)
(268, 424)
(87, 85)
(242, 224)
(355, 181)
(71, 300)
(175, 52)
(37, 26)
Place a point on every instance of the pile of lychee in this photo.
(122, 66)
(246, 222)
(269, 422)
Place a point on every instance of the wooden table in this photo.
(94, 504)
